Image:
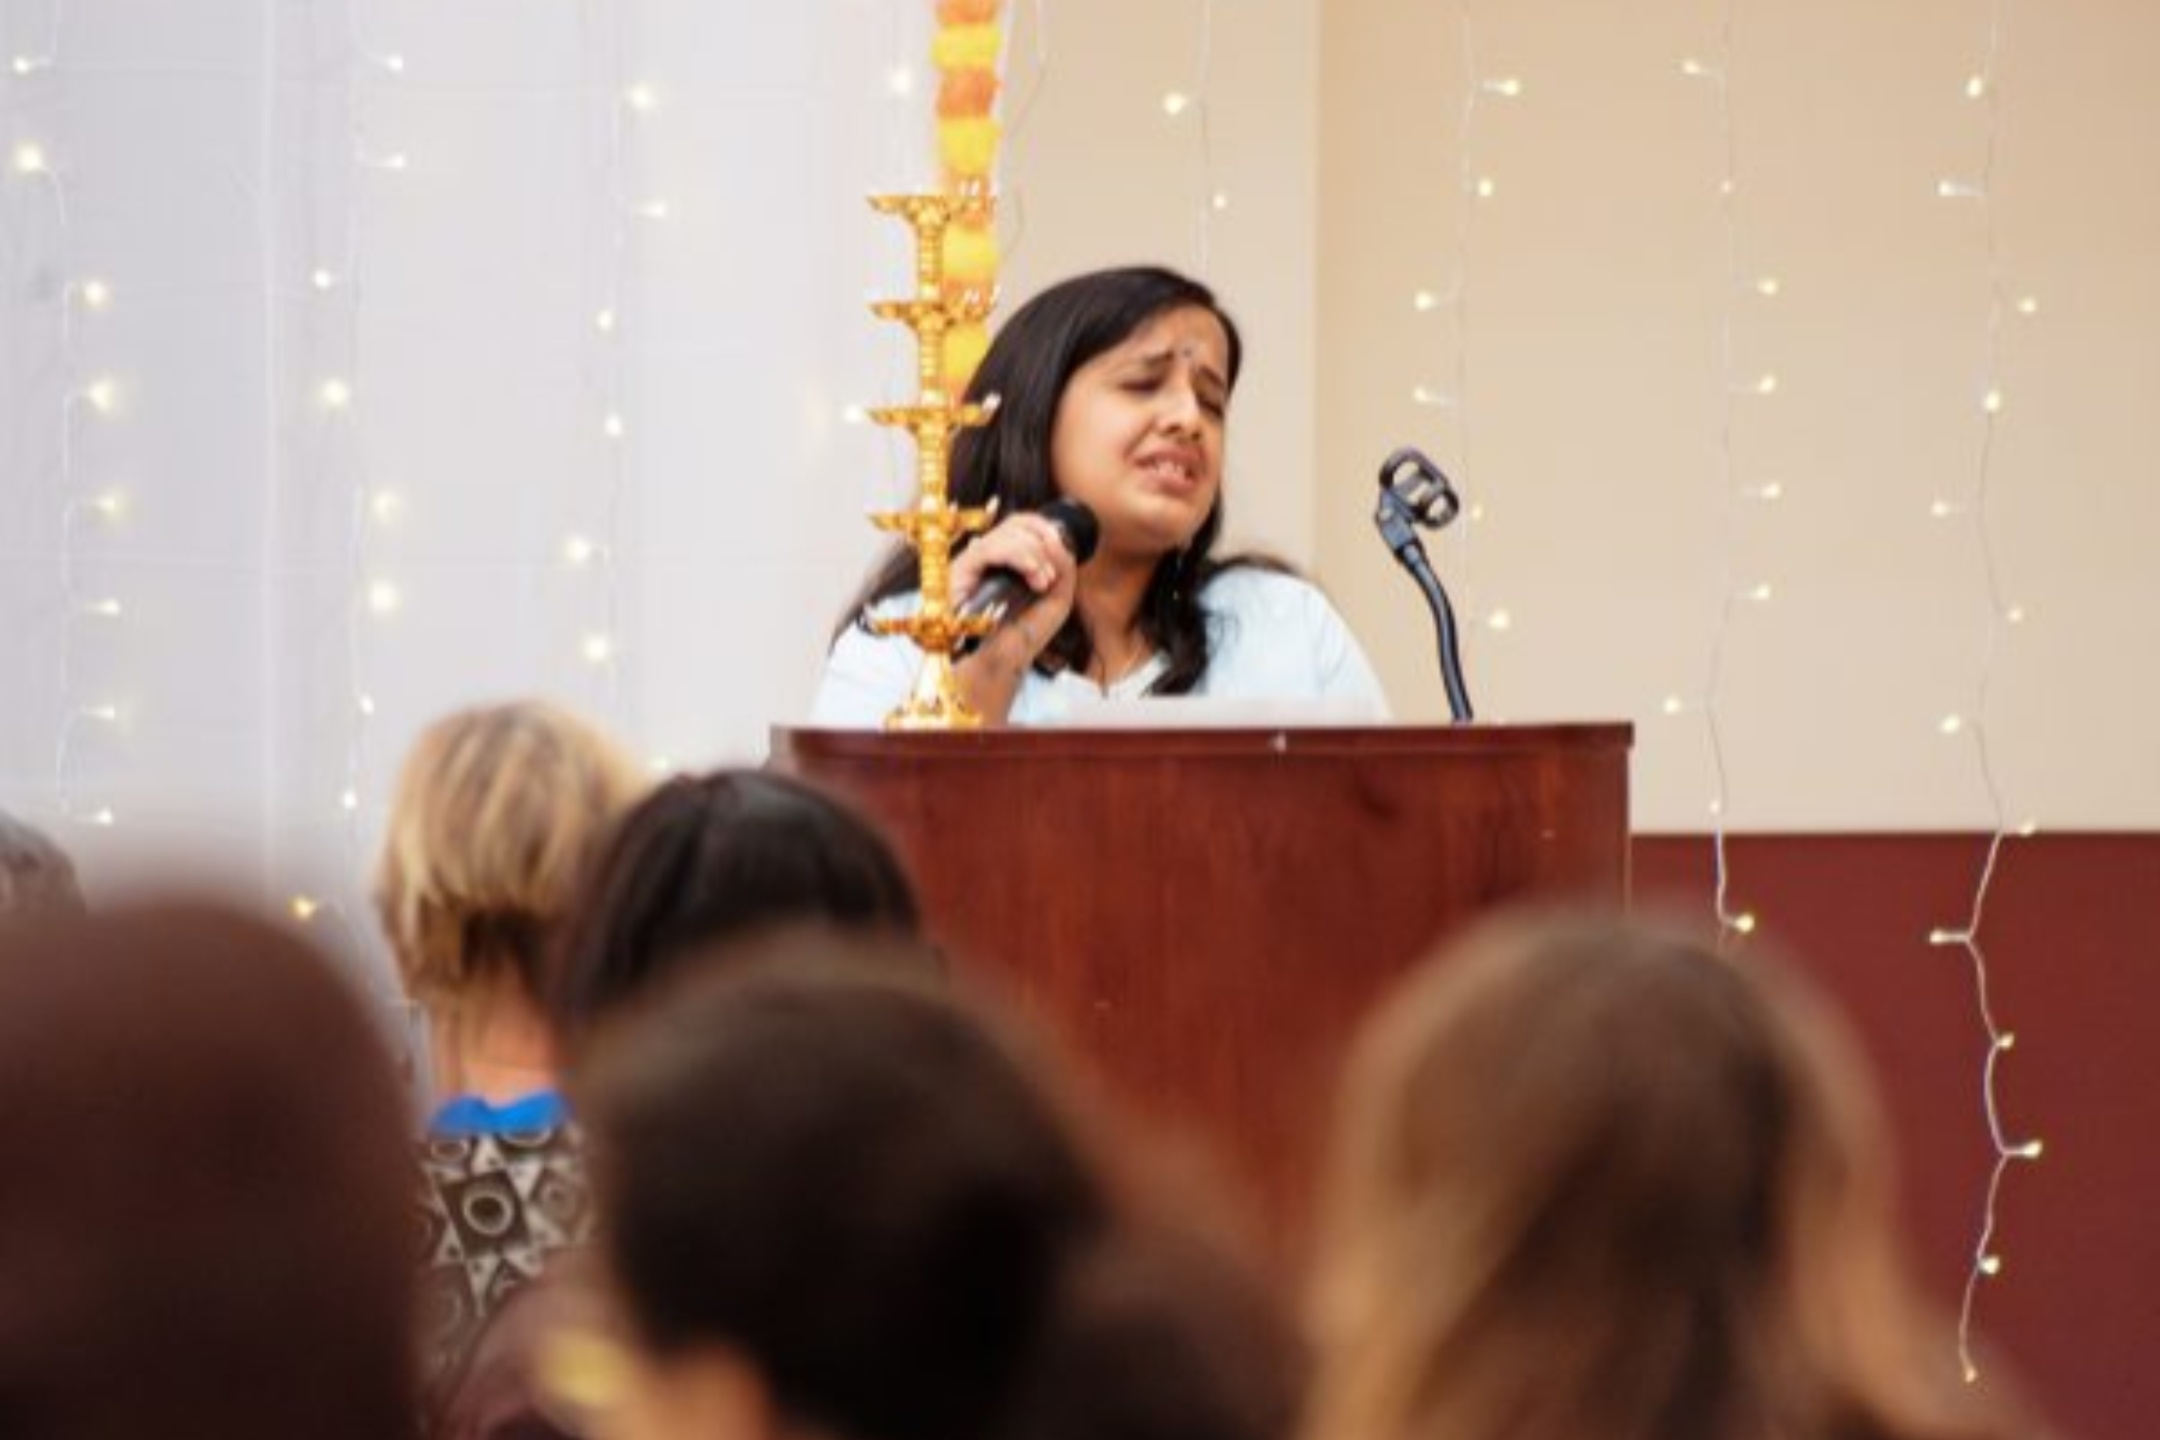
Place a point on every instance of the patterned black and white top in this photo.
(504, 1189)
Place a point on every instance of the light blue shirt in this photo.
(1272, 637)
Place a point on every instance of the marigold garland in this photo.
(965, 49)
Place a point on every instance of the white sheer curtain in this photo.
(363, 359)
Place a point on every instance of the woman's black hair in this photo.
(712, 858)
(1033, 358)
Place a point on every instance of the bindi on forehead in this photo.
(1194, 354)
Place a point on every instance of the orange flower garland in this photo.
(965, 51)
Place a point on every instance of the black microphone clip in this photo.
(1416, 494)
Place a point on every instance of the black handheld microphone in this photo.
(1002, 590)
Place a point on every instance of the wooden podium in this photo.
(1205, 914)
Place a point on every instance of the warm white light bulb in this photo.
(1486, 187)
(102, 396)
(397, 161)
(2028, 305)
(2005, 1041)
(384, 598)
(1975, 87)
(349, 800)
(1424, 301)
(1991, 1264)
(1992, 402)
(1762, 593)
(604, 321)
(96, 294)
(1942, 509)
(303, 907)
(112, 505)
(110, 714)
(1951, 724)
(1769, 287)
(1506, 85)
(641, 98)
(334, 394)
(1770, 490)
(2015, 615)
(1500, 620)
(103, 817)
(366, 704)
(1744, 922)
(1176, 103)
(1940, 936)
(597, 649)
(28, 64)
(655, 210)
(30, 159)
(613, 426)
(1766, 385)
(2031, 1150)
(1426, 395)
(108, 608)
(1673, 705)
(854, 415)
(578, 550)
(1693, 68)
(321, 279)
(387, 506)
(900, 81)
(1219, 200)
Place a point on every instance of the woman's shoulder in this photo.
(1266, 589)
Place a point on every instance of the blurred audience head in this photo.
(35, 875)
(204, 1223)
(498, 811)
(722, 857)
(830, 1198)
(1593, 1180)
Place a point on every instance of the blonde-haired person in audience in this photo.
(498, 812)
(1592, 1181)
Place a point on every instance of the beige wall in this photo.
(1589, 429)
(1097, 174)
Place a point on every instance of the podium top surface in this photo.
(1073, 741)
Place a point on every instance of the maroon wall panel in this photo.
(2072, 935)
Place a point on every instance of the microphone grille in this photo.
(1078, 522)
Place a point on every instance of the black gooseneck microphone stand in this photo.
(1414, 493)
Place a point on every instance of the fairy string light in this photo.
(1982, 88)
(623, 101)
(1451, 303)
(85, 399)
(1733, 391)
(337, 399)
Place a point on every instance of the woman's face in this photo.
(1138, 437)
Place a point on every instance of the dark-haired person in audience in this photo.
(713, 858)
(839, 1201)
(205, 1193)
(498, 811)
(36, 877)
(1595, 1182)
(702, 863)
(1113, 390)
